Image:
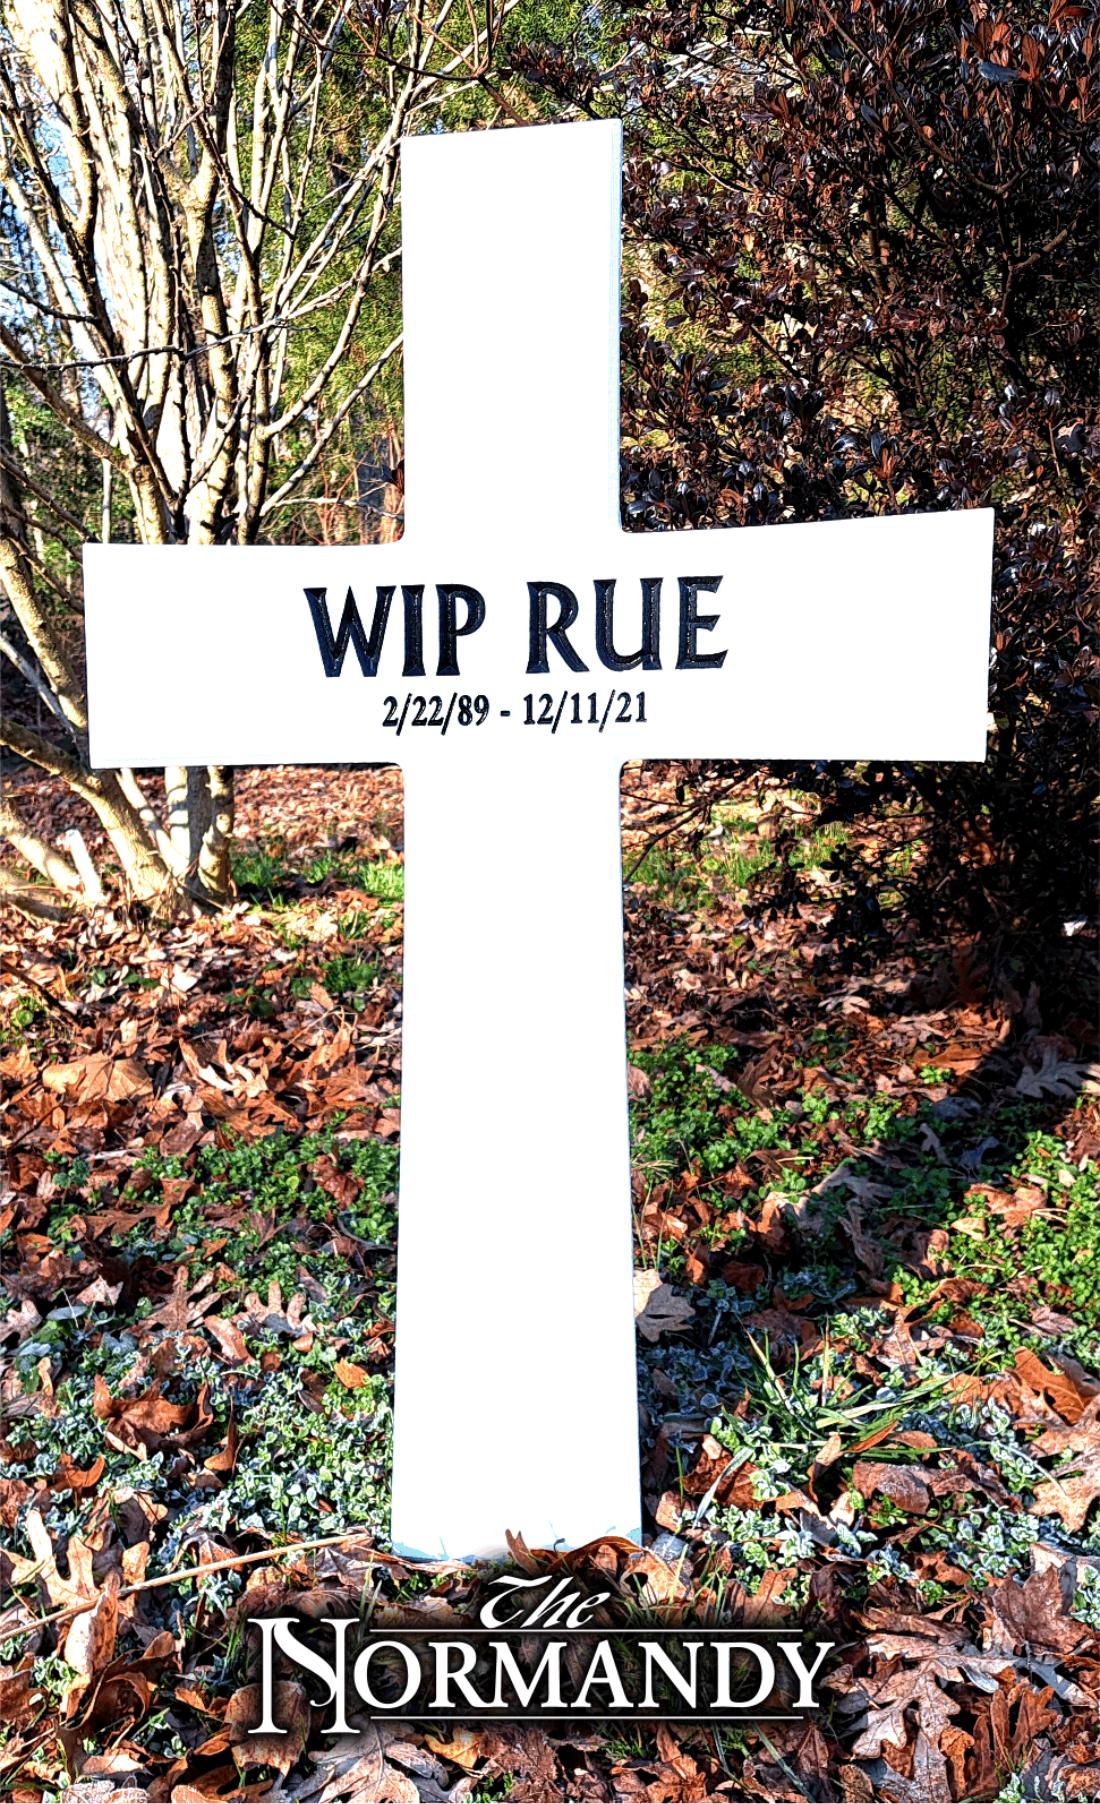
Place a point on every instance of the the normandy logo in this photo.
(538, 1651)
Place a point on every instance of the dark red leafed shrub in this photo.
(861, 279)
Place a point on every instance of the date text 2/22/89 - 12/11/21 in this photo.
(570, 708)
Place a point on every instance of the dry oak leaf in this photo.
(855, 1785)
(100, 1292)
(13, 1495)
(98, 1077)
(291, 1712)
(938, 1652)
(78, 1590)
(1075, 1775)
(888, 1702)
(772, 1224)
(759, 1779)
(524, 1753)
(357, 1771)
(928, 1781)
(225, 1459)
(20, 1698)
(70, 1477)
(865, 1246)
(340, 1185)
(1071, 1492)
(21, 1322)
(1025, 1201)
(662, 1581)
(231, 1342)
(123, 1692)
(1006, 1729)
(1058, 1077)
(637, 1082)
(681, 1776)
(410, 1754)
(764, 1607)
(657, 1307)
(724, 1476)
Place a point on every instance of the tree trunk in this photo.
(45, 859)
(166, 210)
(200, 826)
(214, 873)
(148, 877)
(28, 898)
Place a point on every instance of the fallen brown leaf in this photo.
(291, 1712)
(97, 1077)
(1069, 1393)
(463, 1748)
(351, 1376)
(658, 1309)
(1035, 1614)
(90, 1642)
(903, 1485)
(146, 1423)
(1072, 1491)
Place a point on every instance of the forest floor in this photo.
(865, 1175)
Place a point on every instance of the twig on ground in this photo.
(241, 1559)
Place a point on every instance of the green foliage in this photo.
(802, 1407)
(1086, 1597)
(373, 876)
(694, 1116)
(245, 1201)
(760, 1543)
(25, 1014)
(1052, 1257)
(346, 975)
(694, 1119)
(360, 924)
(729, 861)
(260, 870)
(314, 1451)
(53, 1677)
(1060, 1251)
(309, 1470)
(310, 1464)
(986, 1544)
(773, 1410)
(270, 872)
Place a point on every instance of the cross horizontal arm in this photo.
(848, 639)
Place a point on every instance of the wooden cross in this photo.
(510, 652)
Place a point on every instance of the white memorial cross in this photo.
(510, 652)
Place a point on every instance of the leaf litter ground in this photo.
(868, 1299)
